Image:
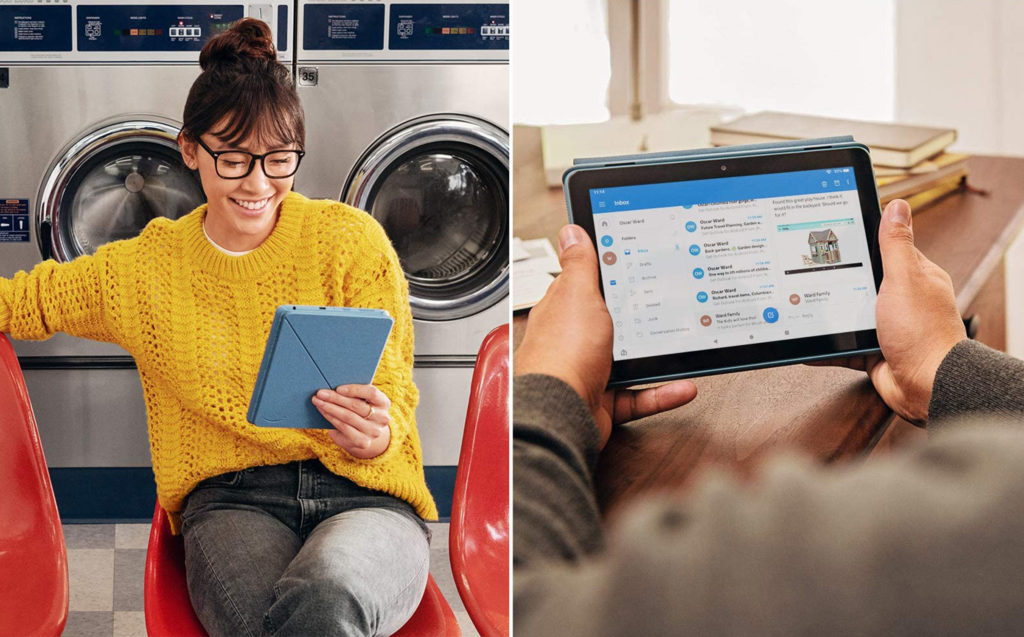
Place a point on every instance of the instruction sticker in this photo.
(13, 220)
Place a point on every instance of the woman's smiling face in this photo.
(241, 213)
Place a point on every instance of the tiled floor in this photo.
(106, 563)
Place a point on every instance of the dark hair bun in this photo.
(249, 38)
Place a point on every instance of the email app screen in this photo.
(713, 263)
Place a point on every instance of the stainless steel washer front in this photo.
(438, 185)
(110, 182)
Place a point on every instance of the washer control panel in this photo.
(152, 28)
(127, 31)
(35, 27)
(378, 30)
(430, 27)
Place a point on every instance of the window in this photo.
(562, 65)
(821, 57)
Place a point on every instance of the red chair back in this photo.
(479, 533)
(33, 558)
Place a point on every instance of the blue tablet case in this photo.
(311, 348)
(701, 154)
(720, 152)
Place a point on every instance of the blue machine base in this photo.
(110, 495)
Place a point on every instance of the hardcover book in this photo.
(897, 145)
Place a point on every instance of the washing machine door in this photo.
(439, 187)
(108, 184)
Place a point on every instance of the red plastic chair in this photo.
(169, 610)
(433, 617)
(33, 558)
(479, 535)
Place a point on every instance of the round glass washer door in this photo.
(439, 187)
(112, 182)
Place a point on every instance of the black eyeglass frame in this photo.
(252, 160)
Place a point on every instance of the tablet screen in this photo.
(734, 261)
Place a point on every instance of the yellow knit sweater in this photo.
(196, 321)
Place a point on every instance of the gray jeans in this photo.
(295, 550)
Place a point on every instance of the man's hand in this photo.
(917, 319)
(918, 322)
(569, 336)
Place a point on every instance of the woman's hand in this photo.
(359, 415)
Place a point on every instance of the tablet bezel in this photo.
(581, 180)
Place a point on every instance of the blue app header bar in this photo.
(721, 190)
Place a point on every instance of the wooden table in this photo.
(830, 413)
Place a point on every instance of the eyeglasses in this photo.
(237, 164)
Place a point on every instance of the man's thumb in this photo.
(896, 238)
(576, 253)
(572, 244)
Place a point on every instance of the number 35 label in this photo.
(308, 75)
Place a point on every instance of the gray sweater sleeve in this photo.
(927, 542)
(974, 379)
(554, 445)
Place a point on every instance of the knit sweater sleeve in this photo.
(975, 379)
(555, 448)
(926, 542)
(375, 280)
(75, 298)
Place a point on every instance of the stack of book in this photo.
(910, 162)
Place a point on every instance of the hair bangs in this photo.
(263, 116)
(265, 128)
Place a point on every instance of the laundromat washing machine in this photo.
(91, 97)
(407, 113)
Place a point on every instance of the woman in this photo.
(286, 531)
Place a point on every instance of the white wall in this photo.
(960, 63)
(947, 74)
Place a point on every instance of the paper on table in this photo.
(518, 251)
(528, 289)
(540, 257)
(534, 263)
